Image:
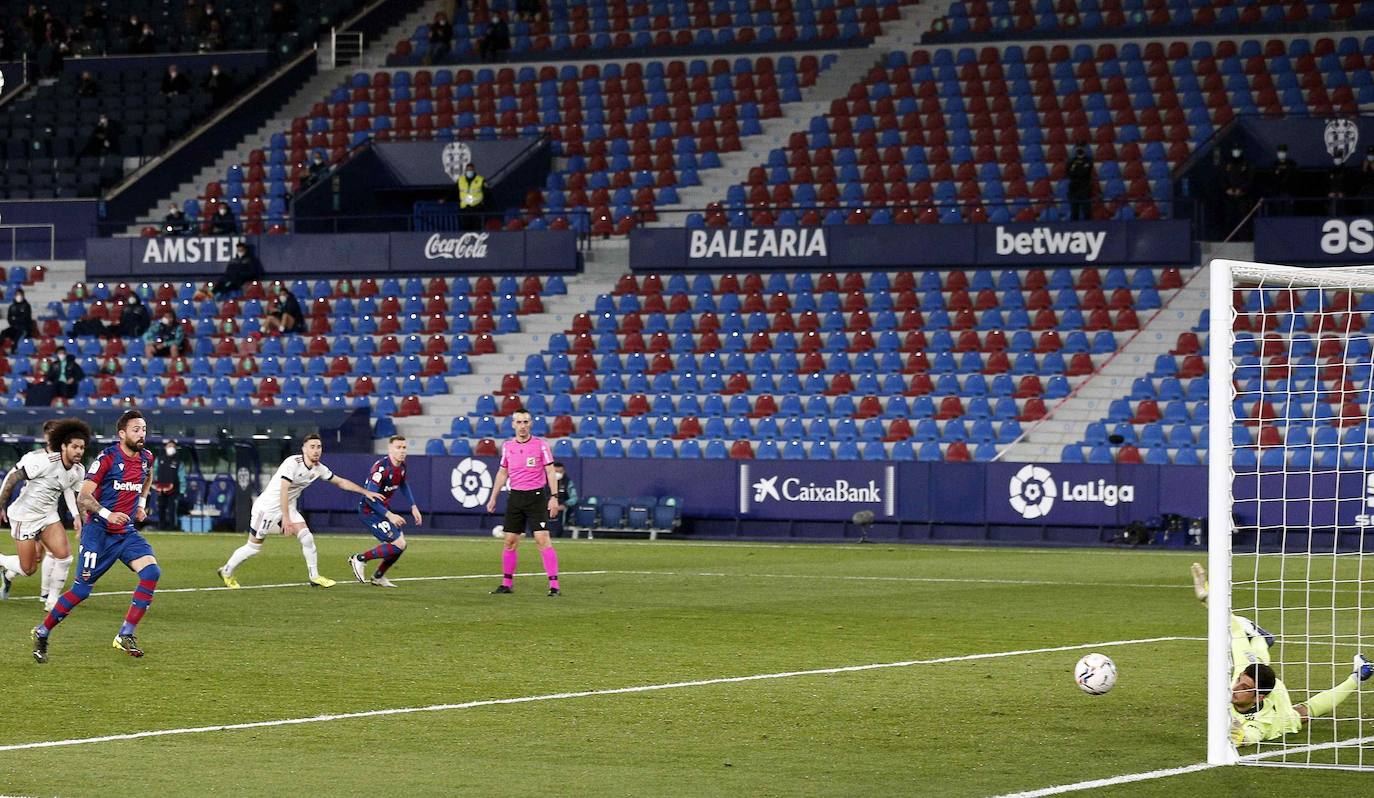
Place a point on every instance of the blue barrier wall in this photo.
(73, 221)
(757, 498)
(1153, 243)
(1315, 239)
(378, 254)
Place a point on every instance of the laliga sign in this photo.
(468, 245)
(1033, 492)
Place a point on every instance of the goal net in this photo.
(1291, 497)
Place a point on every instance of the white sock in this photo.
(57, 580)
(48, 562)
(10, 562)
(240, 554)
(312, 555)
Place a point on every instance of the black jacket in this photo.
(74, 372)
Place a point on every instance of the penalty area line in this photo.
(648, 688)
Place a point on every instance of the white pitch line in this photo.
(222, 589)
(648, 688)
(931, 579)
(1251, 759)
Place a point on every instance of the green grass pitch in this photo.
(632, 614)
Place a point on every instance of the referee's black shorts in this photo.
(527, 511)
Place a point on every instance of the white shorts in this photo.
(31, 530)
(264, 523)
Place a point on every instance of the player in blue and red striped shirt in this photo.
(387, 477)
(114, 495)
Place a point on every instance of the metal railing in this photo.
(13, 230)
(345, 48)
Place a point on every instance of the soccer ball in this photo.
(498, 531)
(1095, 674)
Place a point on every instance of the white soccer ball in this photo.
(1095, 674)
(498, 531)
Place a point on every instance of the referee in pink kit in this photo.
(527, 462)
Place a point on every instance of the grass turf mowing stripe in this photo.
(649, 688)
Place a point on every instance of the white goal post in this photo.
(1291, 490)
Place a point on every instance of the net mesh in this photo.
(1302, 466)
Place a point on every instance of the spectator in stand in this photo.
(174, 82)
(130, 28)
(318, 169)
(1237, 180)
(170, 485)
(497, 41)
(567, 499)
(223, 222)
(146, 43)
(1282, 182)
(440, 39)
(103, 139)
(20, 316)
(1339, 185)
(528, 10)
(166, 338)
(243, 268)
(52, 48)
(213, 38)
(175, 222)
(218, 86)
(1081, 182)
(284, 316)
(282, 19)
(1367, 182)
(471, 197)
(88, 86)
(93, 19)
(133, 322)
(207, 18)
(64, 373)
(192, 15)
(32, 22)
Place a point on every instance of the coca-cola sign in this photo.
(467, 245)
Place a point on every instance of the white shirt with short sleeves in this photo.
(47, 481)
(294, 477)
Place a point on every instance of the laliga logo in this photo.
(1033, 492)
(471, 483)
(468, 245)
(1341, 136)
(456, 158)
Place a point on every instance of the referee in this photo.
(528, 464)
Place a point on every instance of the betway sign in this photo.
(800, 490)
(1050, 241)
(207, 249)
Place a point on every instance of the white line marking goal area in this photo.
(531, 699)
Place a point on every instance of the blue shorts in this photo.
(381, 529)
(100, 550)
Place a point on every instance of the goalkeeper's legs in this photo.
(1199, 582)
(1324, 703)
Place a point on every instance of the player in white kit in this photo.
(275, 511)
(51, 475)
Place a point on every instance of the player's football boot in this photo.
(229, 580)
(1199, 582)
(501, 590)
(553, 592)
(382, 581)
(321, 581)
(128, 644)
(40, 646)
(6, 582)
(359, 568)
(1363, 667)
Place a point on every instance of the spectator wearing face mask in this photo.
(1080, 172)
(471, 196)
(223, 223)
(20, 317)
(1237, 180)
(218, 86)
(1282, 182)
(166, 338)
(175, 222)
(174, 82)
(169, 483)
(1339, 185)
(243, 268)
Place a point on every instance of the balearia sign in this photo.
(763, 242)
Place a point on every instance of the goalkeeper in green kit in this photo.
(1261, 708)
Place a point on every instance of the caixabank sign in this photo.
(797, 489)
(912, 246)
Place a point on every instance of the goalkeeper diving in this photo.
(1261, 708)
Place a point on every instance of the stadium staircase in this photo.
(850, 67)
(298, 105)
(1067, 422)
(604, 265)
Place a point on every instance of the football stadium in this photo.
(716, 397)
